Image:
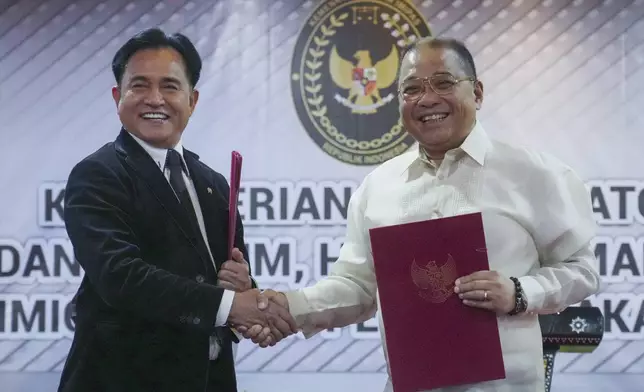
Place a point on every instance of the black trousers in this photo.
(221, 372)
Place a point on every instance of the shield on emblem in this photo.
(364, 79)
(370, 76)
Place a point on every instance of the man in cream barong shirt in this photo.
(536, 214)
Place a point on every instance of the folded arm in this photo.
(100, 228)
(564, 226)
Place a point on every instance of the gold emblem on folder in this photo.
(435, 284)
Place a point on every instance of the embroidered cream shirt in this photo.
(538, 224)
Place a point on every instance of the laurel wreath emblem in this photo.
(313, 65)
(398, 30)
(312, 74)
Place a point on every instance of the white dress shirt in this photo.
(538, 225)
(159, 157)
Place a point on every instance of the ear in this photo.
(478, 94)
(194, 97)
(116, 95)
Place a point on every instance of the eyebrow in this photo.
(166, 79)
(171, 80)
(414, 77)
(408, 78)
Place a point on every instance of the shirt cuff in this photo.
(224, 308)
(297, 303)
(534, 293)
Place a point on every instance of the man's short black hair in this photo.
(466, 58)
(155, 38)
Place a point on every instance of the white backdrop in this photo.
(561, 76)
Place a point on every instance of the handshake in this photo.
(262, 317)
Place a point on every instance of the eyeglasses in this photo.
(442, 84)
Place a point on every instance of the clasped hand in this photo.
(263, 321)
(280, 323)
(235, 274)
(260, 317)
(486, 290)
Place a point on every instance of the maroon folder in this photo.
(433, 340)
(233, 199)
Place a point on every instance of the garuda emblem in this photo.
(435, 284)
(343, 77)
(363, 79)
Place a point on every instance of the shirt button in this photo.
(200, 279)
(196, 320)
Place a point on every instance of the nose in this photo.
(154, 97)
(429, 98)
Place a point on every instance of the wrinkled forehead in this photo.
(426, 61)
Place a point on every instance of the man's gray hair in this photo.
(464, 55)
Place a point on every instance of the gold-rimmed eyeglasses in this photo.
(442, 84)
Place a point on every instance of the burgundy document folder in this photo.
(433, 340)
(233, 199)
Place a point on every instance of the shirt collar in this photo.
(475, 145)
(158, 155)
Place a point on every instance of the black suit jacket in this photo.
(148, 301)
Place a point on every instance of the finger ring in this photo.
(485, 296)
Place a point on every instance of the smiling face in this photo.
(438, 122)
(155, 99)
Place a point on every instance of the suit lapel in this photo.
(213, 206)
(151, 174)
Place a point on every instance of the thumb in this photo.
(262, 302)
(238, 256)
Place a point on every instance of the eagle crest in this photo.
(364, 79)
(435, 284)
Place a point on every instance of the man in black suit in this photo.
(148, 222)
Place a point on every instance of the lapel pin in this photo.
(209, 189)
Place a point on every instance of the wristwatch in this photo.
(520, 301)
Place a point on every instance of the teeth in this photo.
(160, 116)
(433, 117)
